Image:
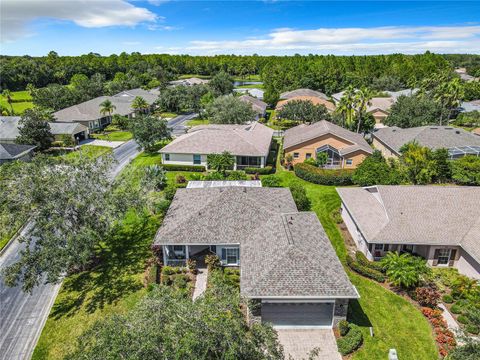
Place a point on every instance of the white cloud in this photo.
(18, 14)
(352, 41)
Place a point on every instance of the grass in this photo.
(146, 159)
(18, 107)
(196, 122)
(114, 136)
(168, 115)
(90, 151)
(255, 77)
(187, 76)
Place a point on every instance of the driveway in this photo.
(298, 343)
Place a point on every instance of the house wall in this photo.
(183, 159)
(386, 152)
(357, 236)
(467, 265)
(219, 248)
(340, 311)
(357, 158)
(379, 116)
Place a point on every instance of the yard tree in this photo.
(139, 104)
(412, 111)
(229, 109)
(443, 169)
(221, 84)
(148, 130)
(375, 170)
(362, 101)
(466, 171)
(107, 107)
(34, 128)
(346, 107)
(419, 163)
(54, 97)
(221, 162)
(303, 111)
(387, 83)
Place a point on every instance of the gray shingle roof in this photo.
(430, 215)
(302, 133)
(247, 140)
(302, 92)
(283, 252)
(189, 81)
(434, 137)
(257, 105)
(14, 151)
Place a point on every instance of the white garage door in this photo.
(304, 315)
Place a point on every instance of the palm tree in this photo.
(139, 103)
(362, 101)
(8, 95)
(106, 107)
(346, 106)
(449, 95)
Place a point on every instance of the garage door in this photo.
(298, 314)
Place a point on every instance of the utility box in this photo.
(392, 354)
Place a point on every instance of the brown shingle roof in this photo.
(257, 105)
(314, 100)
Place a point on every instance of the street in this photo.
(177, 124)
(23, 315)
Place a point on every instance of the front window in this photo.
(230, 256)
(349, 161)
(408, 248)
(197, 159)
(308, 155)
(443, 256)
(378, 246)
(296, 155)
(248, 161)
(167, 157)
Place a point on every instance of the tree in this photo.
(413, 111)
(148, 130)
(448, 95)
(139, 104)
(221, 162)
(120, 121)
(8, 95)
(155, 177)
(362, 100)
(34, 129)
(466, 171)
(221, 84)
(443, 170)
(375, 170)
(107, 107)
(300, 196)
(303, 111)
(54, 97)
(229, 109)
(419, 163)
(404, 270)
(346, 107)
(387, 83)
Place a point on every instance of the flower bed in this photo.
(445, 338)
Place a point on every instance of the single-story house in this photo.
(344, 148)
(288, 265)
(189, 82)
(9, 129)
(249, 144)
(303, 92)
(12, 152)
(258, 105)
(313, 99)
(439, 223)
(459, 142)
(258, 93)
(88, 113)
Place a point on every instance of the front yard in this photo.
(196, 122)
(114, 136)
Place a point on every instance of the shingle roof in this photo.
(434, 137)
(257, 105)
(302, 133)
(283, 252)
(430, 215)
(247, 140)
(14, 151)
(313, 99)
(190, 81)
(58, 128)
(380, 103)
(303, 92)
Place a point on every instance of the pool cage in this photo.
(461, 151)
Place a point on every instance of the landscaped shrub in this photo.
(427, 296)
(447, 298)
(365, 271)
(350, 342)
(168, 270)
(404, 270)
(236, 175)
(180, 179)
(323, 176)
(300, 196)
(192, 265)
(271, 181)
(472, 329)
(337, 217)
(212, 261)
(180, 281)
(456, 309)
(343, 327)
(174, 167)
(169, 192)
(260, 171)
(462, 319)
(214, 176)
(362, 260)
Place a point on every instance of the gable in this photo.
(330, 139)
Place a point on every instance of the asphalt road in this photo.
(23, 315)
(177, 124)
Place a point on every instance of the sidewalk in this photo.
(200, 283)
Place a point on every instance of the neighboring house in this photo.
(313, 99)
(249, 144)
(302, 92)
(258, 106)
(9, 129)
(458, 141)
(12, 152)
(468, 106)
(287, 262)
(258, 93)
(88, 113)
(439, 223)
(406, 92)
(189, 82)
(344, 148)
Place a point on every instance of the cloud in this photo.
(18, 14)
(352, 41)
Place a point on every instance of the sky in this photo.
(270, 27)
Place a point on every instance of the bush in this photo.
(310, 161)
(375, 170)
(455, 309)
(427, 296)
(447, 298)
(180, 179)
(472, 329)
(192, 265)
(350, 342)
(162, 206)
(462, 319)
(170, 270)
(362, 260)
(466, 171)
(236, 175)
(300, 196)
(212, 261)
(337, 217)
(343, 327)
(260, 171)
(365, 271)
(169, 192)
(175, 167)
(180, 281)
(323, 176)
(214, 175)
(271, 181)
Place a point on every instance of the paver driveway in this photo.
(298, 343)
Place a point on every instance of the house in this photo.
(439, 223)
(258, 93)
(249, 144)
(458, 141)
(344, 148)
(287, 262)
(313, 99)
(12, 152)
(88, 112)
(189, 82)
(258, 105)
(9, 129)
(302, 92)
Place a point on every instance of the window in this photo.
(378, 246)
(167, 157)
(443, 256)
(349, 161)
(308, 155)
(178, 248)
(408, 248)
(230, 256)
(296, 155)
(333, 156)
(197, 159)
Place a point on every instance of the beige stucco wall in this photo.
(379, 116)
(466, 265)
(183, 159)
(386, 152)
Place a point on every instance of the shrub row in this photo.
(260, 171)
(362, 260)
(364, 270)
(174, 167)
(351, 341)
(323, 176)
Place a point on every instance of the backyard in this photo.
(21, 101)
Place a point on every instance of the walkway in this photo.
(201, 282)
(298, 343)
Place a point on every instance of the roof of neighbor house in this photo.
(431, 215)
(467, 106)
(283, 252)
(14, 151)
(258, 93)
(58, 128)
(90, 110)
(247, 140)
(380, 103)
(257, 105)
(313, 99)
(303, 133)
(406, 92)
(190, 81)
(303, 92)
(223, 183)
(434, 137)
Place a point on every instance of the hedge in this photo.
(364, 270)
(350, 342)
(260, 171)
(362, 260)
(323, 176)
(175, 167)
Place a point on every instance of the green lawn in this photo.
(90, 151)
(18, 107)
(255, 77)
(114, 136)
(196, 122)
(145, 159)
(187, 76)
(168, 115)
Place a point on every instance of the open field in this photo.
(18, 107)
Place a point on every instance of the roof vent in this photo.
(433, 128)
(457, 132)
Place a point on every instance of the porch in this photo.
(243, 162)
(178, 255)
